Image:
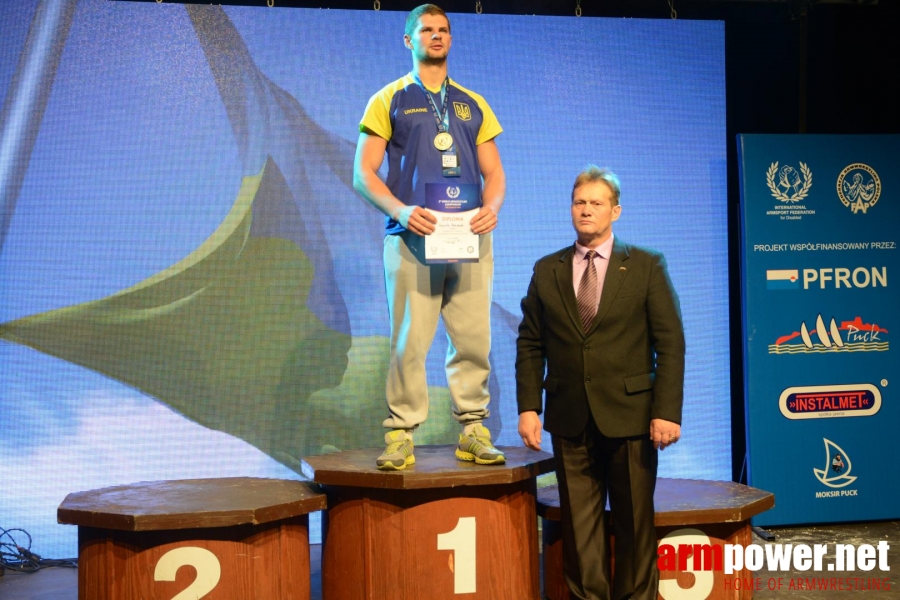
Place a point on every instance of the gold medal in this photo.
(443, 141)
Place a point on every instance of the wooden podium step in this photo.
(687, 511)
(442, 528)
(243, 538)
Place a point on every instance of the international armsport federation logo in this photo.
(859, 187)
(453, 192)
(787, 184)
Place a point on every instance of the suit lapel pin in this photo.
(621, 268)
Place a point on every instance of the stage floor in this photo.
(62, 584)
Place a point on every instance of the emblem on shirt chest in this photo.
(462, 110)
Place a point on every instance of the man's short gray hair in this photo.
(593, 173)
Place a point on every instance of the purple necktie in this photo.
(587, 292)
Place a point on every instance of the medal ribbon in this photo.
(442, 119)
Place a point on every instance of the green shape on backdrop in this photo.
(225, 338)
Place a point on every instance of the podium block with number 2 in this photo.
(236, 538)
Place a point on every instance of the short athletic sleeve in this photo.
(377, 117)
(490, 126)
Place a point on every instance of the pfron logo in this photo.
(782, 279)
(452, 192)
(838, 277)
(787, 183)
(827, 277)
(859, 187)
(830, 401)
(836, 473)
(851, 336)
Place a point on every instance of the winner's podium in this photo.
(441, 528)
(688, 511)
(240, 537)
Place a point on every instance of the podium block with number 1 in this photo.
(439, 529)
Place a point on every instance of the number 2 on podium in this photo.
(205, 562)
(462, 541)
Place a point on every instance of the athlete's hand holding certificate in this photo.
(453, 206)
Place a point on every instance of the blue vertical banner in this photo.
(820, 231)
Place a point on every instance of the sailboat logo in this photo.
(836, 473)
(854, 335)
(822, 333)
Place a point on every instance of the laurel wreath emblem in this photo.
(800, 195)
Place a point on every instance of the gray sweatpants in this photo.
(417, 295)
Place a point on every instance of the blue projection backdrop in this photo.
(189, 286)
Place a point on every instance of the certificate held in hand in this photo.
(454, 206)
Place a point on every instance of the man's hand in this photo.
(663, 433)
(484, 221)
(530, 429)
(416, 219)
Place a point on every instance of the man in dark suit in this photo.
(601, 335)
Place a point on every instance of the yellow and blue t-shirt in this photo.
(401, 114)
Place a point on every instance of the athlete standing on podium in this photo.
(434, 132)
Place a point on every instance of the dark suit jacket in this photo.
(628, 368)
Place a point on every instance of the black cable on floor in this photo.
(16, 554)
